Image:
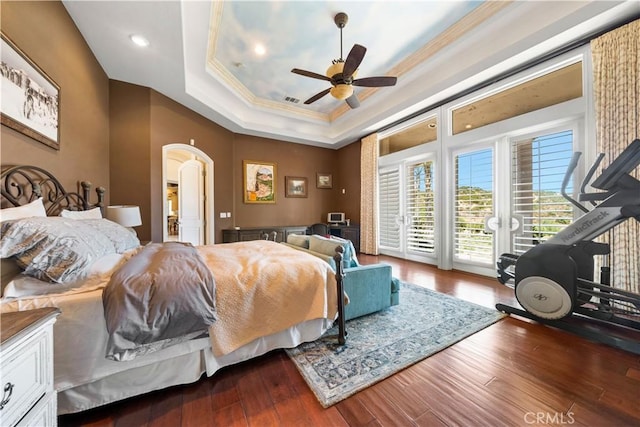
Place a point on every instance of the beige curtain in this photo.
(616, 71)
(369, 195)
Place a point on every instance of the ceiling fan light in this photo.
(335, 69)
(341, 91)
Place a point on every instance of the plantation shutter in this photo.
(420, 207)
(538, 168)
(473, 202)
(389, 202)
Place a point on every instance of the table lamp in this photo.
(125, 215)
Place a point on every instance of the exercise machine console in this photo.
(554, 280)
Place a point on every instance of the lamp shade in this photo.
(341, 91)
(125, 215)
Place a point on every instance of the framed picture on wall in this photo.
(295, 186)
(259, 181)
(324, 180)
(30, 98)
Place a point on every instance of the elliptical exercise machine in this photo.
(554, 281)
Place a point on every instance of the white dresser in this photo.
(26, 368)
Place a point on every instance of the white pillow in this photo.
(35, 208)
(299, 240)
(94, 213)
(97, 273)
(59, 250)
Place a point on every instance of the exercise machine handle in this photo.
(567, 176)
(592, 171)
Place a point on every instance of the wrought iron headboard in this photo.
(20, 185)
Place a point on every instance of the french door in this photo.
(407, 226)
(474, 202)
(507, 196)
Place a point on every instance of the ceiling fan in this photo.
(341, 74)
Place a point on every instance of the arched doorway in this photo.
(182, 209)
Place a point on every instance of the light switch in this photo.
(228, 214)
(223, 214)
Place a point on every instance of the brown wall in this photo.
(129, 152)
(173, 123)
(143, 121)
(291, 160)
(348, 159)
(84, 95)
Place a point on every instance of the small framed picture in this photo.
(323, 180)
(295, 186)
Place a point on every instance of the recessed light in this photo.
(139, 40)
(259, 49)
(468, 126)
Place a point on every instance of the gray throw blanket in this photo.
(163, 295)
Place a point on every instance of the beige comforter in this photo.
(264, 287)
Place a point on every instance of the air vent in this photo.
(291, 99)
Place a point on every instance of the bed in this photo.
(260, 302)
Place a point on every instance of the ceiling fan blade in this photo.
(310, 74)
(354, 58)
(353, 101)
(317, 96)
(376, 81)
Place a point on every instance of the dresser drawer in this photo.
(26, 376)
(45, 413)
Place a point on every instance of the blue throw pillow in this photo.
(349, 252)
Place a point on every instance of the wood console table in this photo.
(349, 232)
(258, 233)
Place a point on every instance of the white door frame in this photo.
(209, 236)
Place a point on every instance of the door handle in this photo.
(409, 221)
(492, 223)
(517, 221)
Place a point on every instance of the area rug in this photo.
(383, 343)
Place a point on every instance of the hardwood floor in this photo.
(513, 373)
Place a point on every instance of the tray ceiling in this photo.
(203, 54)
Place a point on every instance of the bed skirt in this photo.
(182, 369)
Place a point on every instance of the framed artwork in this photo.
(30, 99)
(295, 186)
(259, 181)
(324, 180)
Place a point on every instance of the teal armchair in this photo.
(370, 288)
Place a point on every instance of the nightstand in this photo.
(26, 368)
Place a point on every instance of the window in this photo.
(389, 203)
(538, 168)
(420, 207)
(407, 209)
(473, 202)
